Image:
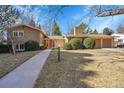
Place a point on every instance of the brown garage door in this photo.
(106, 43)
(98, 43)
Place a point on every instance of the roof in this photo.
(93, 36)
(23, 25)
(56, 37)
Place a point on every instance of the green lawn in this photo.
(83, 68)
(9, 61)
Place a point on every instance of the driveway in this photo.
(25, 75)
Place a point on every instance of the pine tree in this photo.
(55, 30)
(95, 32)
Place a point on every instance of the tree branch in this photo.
(110, 13)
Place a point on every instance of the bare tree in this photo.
(8, 16)
(120, 29)
(104, 12)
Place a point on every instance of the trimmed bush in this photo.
(43, 47)
(31, 46)
(4, 48)
(67, 46)
(89, 43)
(76, 43)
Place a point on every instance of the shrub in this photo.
(31, 46)
(4, 48)
(43, 47)
(76, 43)
(67, 46)
(89, 43)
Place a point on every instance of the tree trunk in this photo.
(13, 47)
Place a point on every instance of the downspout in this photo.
(112, 42)
(101, 42)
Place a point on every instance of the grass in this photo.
(9, 61)
(83, 68)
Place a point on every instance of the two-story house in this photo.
(19, 34)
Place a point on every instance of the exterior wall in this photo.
(29, 34)
(61, 42)
(42, 41)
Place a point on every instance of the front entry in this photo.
(53, 43)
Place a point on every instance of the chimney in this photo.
(77, 31)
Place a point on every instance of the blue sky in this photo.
(73, 15)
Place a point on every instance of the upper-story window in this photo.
(18, 34)
(21, 34)
(15, 34)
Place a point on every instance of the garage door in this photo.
(106, 43)
(98, 43)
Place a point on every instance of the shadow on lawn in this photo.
(77, 61)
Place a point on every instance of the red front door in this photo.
(50, 43)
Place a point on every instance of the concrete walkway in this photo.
(25, 75)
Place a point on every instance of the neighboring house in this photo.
(102, 41)
(19, 34)
(118, 40)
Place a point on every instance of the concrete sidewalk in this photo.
(25, 75)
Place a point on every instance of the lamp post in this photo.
(58, 53)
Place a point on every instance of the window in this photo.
(15, 34)
(17, 46)
(21, 34)
(120, 40)
(20, 47)
(18, 34)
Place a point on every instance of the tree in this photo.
(120, 29)
(111, 12)
(8, 16)
(90, 31)
(39, 26)
(55, 29)
(107, 31)
(32, 23)
(102, 11)
(83, 26)
(95, 32)
(31, 20)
